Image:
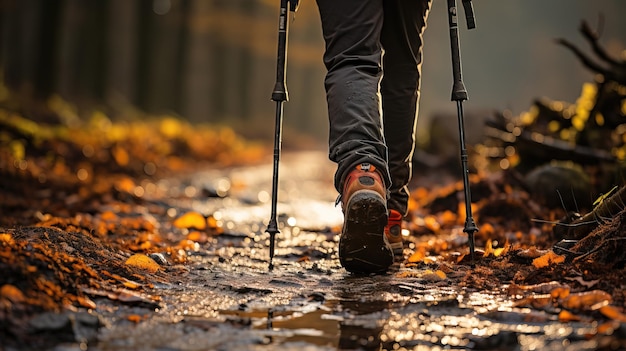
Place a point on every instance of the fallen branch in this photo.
(556, 148)
(582, 226)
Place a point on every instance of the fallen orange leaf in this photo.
(419, 255)
(86, 302)
(212, 222)
(189, 245)
(560, 292)
(131, 284)
(567, 316)
(125, 184)
(586, 300)
(6, 238)
(430, 222)
(537, 301)
(197, 236)
(607, 328)
(487, 229)
(120, 155)
(408, 274)
(108, 216)
(613, 313)
(502, 250)
(191, 220)
(448, 217)
(135, 318)
(548, 259)
(11, 293)
(428, 274)
(433, 277)
(488, 249)
(143, 262)
(460, 258)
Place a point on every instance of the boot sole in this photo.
(362, 246)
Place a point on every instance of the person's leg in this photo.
(401, 38)
(351, 31)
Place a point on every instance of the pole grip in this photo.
(280, 92)
(459, 93)
(280, 87)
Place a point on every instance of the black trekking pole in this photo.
(459, 94)
(279, 95)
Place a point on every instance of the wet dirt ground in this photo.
(225, 298)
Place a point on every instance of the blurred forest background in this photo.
(214, 61)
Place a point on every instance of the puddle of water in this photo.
(329, 324)
(383, 325)
(311, 327)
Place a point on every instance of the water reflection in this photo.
(365, 312)
(347, 324)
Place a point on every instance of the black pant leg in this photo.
(404, 24)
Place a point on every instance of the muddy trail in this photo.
(181, 263)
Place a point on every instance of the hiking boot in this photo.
(393, 234)
(362, 246)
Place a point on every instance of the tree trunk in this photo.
(121, 51)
